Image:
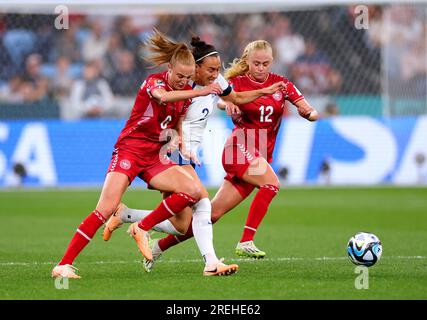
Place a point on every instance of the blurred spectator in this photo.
(91, 96)
(375, 32)
(207, 29)
(125, 80)
(16, 178)
(34, 86)
(325, 172)
(283, 173)
(312, 72)
(12, 91)
(96, 43)
(413, 64)
(404, 53)
(111, 56)
(420, 160)
(45, 40)
(331, 110)
(62, 80)
(66, 44)
(288, 46)
(7, 68)
(128, 33)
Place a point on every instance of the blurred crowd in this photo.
(95, 67)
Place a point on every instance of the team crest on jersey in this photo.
(125, 164)
(159, 82)
(278, 96)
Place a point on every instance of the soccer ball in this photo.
(364, 249)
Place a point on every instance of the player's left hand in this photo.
(231, 108)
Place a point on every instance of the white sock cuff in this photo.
(167, 227)
(202, 206)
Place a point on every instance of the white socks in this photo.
(202, 227)
(133, 215)
(202, 230)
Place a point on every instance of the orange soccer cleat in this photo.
(220, 269)
(114, 222)
(141, 238)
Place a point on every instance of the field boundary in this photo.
(280, 259)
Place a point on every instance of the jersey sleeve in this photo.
(292, 93)
(153, 84)
(225, 86)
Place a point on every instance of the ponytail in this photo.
(165, 50)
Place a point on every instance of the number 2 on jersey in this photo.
(266, 113)
(205, 112)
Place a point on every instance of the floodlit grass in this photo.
(304, 234)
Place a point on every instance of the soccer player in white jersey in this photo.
(208, 66)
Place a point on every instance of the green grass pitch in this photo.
(304, 234)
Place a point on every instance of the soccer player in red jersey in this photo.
(161, 103)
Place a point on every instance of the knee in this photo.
(181, 229)
(273, 182)
(106, 209)
(193, 190)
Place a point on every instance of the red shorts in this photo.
(244, 188)
(132, 165)
(236, 160)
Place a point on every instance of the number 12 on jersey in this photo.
(265, 113)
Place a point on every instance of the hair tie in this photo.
(207, 55)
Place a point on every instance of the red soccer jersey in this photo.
(141, 134)
(263, 113)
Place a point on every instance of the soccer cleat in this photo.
(141, 238)
(65, 271)
(157, 253)
(114, 222)
(220, 269)
(248, 249)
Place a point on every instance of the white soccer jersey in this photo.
(196, 118)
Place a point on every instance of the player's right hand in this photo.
(190, 156)
(213, 88)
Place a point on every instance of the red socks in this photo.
(170, 206)
(84, 234)
(258, 209)
(257, 212)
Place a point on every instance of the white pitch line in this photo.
(35, 263)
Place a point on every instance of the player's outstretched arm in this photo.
(164, 96)
(244, 97)
(229, 107)
(306, 111)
